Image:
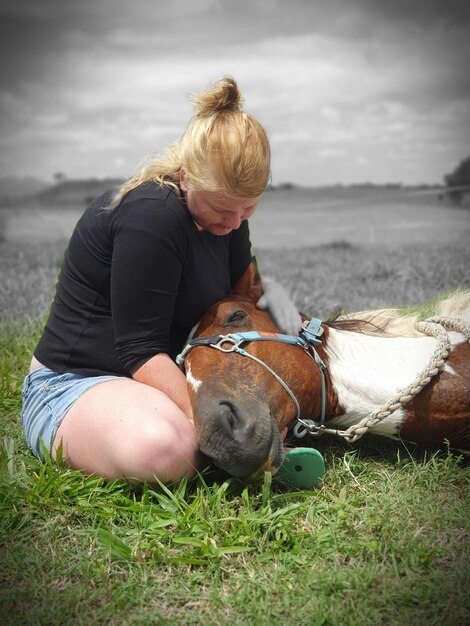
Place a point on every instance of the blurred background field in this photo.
(336, 248)
(288, 217)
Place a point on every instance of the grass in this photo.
(344, 276)
(322, 278)
(384, 540)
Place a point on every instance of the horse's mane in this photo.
(389, 322)
(394, 322)
(458, 305)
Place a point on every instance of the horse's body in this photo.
(242, 412)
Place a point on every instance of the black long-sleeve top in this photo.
(134, 281)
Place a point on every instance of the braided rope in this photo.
(456, 324)
(435, 326)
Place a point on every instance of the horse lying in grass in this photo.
(248, 388)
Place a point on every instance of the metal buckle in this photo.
(235, 343)
(303, 427)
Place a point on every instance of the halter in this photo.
(307, 338)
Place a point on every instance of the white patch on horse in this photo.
(456, 338)
(194, 382)
(448, 369)
(368, 371)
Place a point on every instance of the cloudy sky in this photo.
(348, 90)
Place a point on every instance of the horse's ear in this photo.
(249, 286)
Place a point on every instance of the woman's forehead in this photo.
(228, 203)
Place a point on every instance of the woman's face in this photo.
(215, 212)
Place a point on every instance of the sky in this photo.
(349, 91)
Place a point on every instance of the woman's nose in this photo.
(233, 221)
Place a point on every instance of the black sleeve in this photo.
(240, 252)
(148, 256)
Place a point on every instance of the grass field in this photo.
(383, 541)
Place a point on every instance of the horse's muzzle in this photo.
(241, 438)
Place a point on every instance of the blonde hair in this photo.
(223, 149)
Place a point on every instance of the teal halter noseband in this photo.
(307, 339)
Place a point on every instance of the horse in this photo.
(249, 384)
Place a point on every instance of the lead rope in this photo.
(456, 324)
(435, 326)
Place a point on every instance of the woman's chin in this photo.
(219, 230)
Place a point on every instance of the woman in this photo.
(139, 271)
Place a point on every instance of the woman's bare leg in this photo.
(124, 429)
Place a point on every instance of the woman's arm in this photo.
(163, 374)
(148, 258)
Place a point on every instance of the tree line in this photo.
(458, 182)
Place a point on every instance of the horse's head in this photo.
(241, 410)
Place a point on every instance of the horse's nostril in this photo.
(228, 414)
(236, 420)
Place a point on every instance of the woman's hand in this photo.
(280, 305)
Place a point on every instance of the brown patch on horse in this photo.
(442, 410)
(310, 403)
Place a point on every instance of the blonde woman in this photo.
(140, 270)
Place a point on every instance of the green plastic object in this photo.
(302, 468)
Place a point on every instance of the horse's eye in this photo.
(237, 316)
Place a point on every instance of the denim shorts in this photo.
(47, 396)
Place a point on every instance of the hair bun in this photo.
(222, 96)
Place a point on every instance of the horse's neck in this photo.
(367, 371)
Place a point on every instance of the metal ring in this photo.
(226, 339)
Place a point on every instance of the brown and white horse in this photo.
(243, 409)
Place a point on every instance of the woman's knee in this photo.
(163, 448)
